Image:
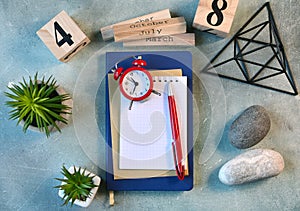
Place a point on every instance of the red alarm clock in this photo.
(135, 82)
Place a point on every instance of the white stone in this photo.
(250, 166)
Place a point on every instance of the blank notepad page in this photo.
(145, 130)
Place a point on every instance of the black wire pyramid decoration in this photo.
(256, 49)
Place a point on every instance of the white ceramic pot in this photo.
(93, 192)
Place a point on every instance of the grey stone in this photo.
(250, 166)
(250, 127)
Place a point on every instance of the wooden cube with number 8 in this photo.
(215, 16)
(63, 37)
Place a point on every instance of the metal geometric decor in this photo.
(257, 52)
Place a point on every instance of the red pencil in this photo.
(176, 144)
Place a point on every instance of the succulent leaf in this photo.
(75, 185)
(37, 103)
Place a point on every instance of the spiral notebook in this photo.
(115, 102)
(145, 130)
(146, 179)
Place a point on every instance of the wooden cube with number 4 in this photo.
(215, 16)
(63, 37)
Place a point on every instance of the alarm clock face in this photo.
(136, 83)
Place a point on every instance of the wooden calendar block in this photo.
(141, 30)
(215, 16)
(108, 33)
(63, 37)
(187, 39)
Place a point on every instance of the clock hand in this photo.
(135, 85)
(131, 80)
(134, 82)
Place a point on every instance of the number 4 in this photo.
(65, 37)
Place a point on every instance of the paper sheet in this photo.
(114, 98)
(145, 131)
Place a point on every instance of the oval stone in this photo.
(250, 127)
(250, 166)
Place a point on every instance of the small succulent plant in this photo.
(76, 185)
(37, 103)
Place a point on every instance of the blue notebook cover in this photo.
(155, 60)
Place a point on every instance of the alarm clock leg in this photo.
(156, 92)
(130, 104)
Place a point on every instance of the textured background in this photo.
(29, 162)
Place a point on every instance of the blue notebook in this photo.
(160, 61)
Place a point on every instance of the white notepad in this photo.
(145, 130)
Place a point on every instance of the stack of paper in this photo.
(141, 137)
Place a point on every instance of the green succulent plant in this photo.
(37, 103)
(76, 185)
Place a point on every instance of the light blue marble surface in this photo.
(30, 161)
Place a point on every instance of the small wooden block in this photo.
(135, 31)
(63, 37)
(215, 16)
(111, 198)
(187, 39)
(108, 33)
